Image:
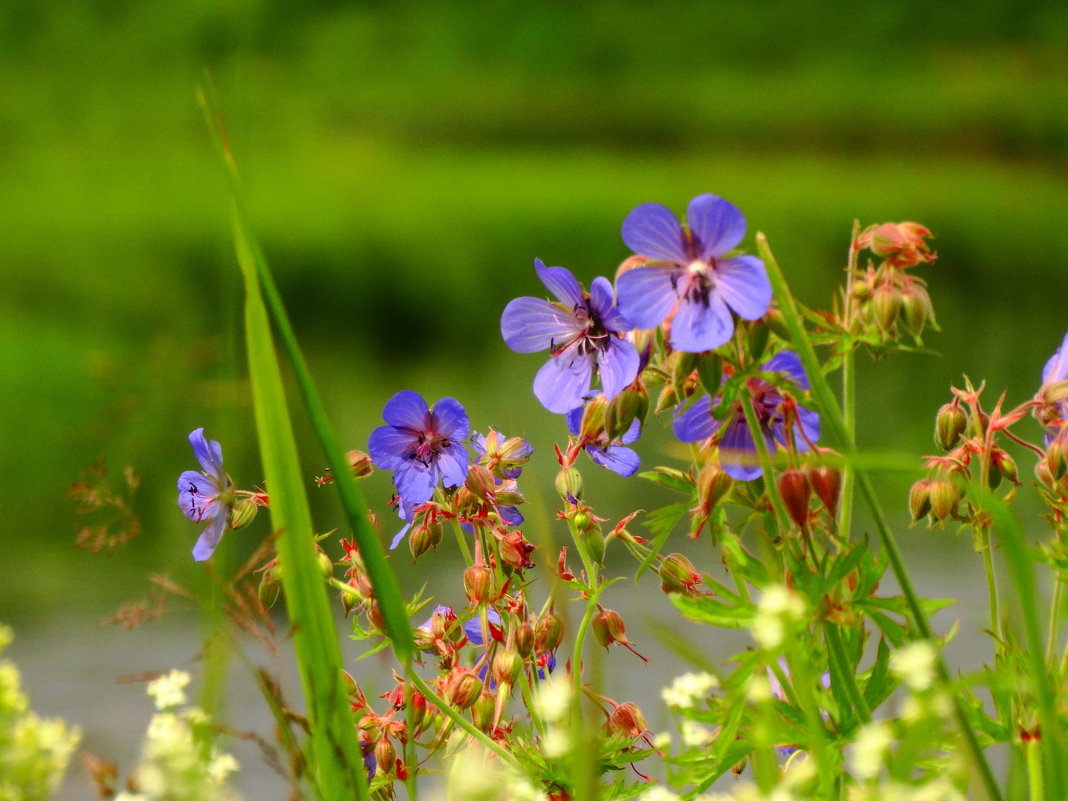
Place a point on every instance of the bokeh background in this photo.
(404, 163)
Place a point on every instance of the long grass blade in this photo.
(334, 749)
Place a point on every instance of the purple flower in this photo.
(609, 453)
(689, 275)
(1056, 370)
(737, 449)
(422, 446)
(580, 332)
(206, 495)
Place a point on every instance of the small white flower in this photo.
(553, 700)
(556, 743)
(169, 690)
(758, 689)
(914, 664)
(694, 734)
(662, 741)
(658, 793)
(778, 611)
(689, 688)
(872, 742)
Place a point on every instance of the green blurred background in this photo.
(404, 163)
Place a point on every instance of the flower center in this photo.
(428, 446)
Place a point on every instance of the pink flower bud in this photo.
(677, 574)
(795, 492)
(464, 688)
(480, 481)
(360, 463)
(826, 482)
(549, 632)
(627, 719)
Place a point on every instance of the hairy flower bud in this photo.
(507, 665)
(464, 688)
(608, 627)
(916, 308)
(826, 482)
(524, 640)
(360, 463)
(626, 407)
(950, 423)
(677, 574)
(886, 305)
(385, 755)
(270, 588)
(423, 538)
(795, 492)
(478, 584)
(549, 632)
(1057, 458)
(920, 499)
(593, 419)
(569, 485)
(944, 496)
(712, 484)
(627, 719)
(242, 513)
(480, 481)
(482, 712)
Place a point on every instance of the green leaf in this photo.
(708, 610)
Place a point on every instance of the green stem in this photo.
(1054, 622)
(991, 585)
(849, 393)
(1034, 771)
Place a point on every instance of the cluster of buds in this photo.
(886, 295)
(377, 731)
(797, 486)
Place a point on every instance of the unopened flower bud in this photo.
(361, 463)
(795, 492)
(416, 711)
(478, 584)
(944, 496)
(385, 755)
(626, 407)
(482, 711)
(668, 399)
(916, 308)
(682, 366)
(464, 688)
(826, 482)
(375, 617)
(627, 719)
(270, 589)
(507, 665)
(592, 425)
(950, 423)
(242, 513)
(677, 574)
(712, 484)
(480, 481)
(1005, 465)
(515, 551)
(569, 484)
(920, 499)
(524, 640)
(424, 537)
(886, 305)
(608, 627)
(977, 426)
(588, 532)
(1057, 458)
(549, 632)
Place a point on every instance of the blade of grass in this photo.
(334, 750)
(386, 590)
(831, 414)
(1020, 563)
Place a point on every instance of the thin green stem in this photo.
(1054, 621)
(849, 393)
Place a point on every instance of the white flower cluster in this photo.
(689, 688)
(34, 752)
(178, 759)
(914, 664)
(779, 611)
(552, 703)
(477, 775)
